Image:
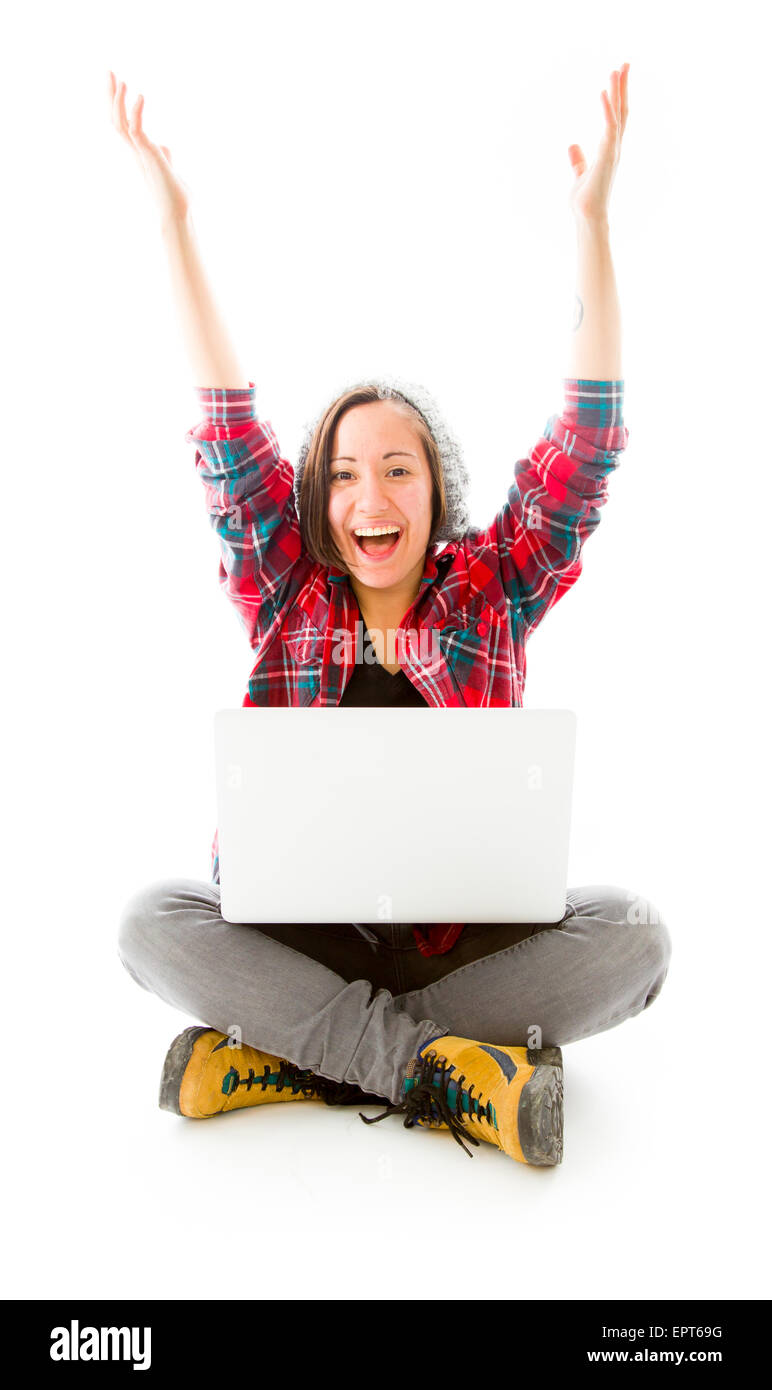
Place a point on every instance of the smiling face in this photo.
(380, 476)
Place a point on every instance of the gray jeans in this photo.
(356, 1008)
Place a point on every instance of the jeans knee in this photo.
(657, 948)
(650, 942)
(139, 922)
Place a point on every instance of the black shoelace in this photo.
(429, 1100)
(306, 1082)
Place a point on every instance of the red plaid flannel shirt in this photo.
(484, 594)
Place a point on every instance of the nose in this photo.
(372, 497)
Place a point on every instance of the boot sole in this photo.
(540, 1114)
(177, 1059)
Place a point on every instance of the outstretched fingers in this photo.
(130, 127)
(611, 128)
(617, 104)
(119, 109)
(623, 93)
(135, 121)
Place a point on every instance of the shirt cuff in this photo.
(592, 402)
(222, 406)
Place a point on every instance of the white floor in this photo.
(664, 1187)
(662, 1191)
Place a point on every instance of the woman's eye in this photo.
(344, 472)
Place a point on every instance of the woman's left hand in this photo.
(591, 188)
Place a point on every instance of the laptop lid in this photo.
(356, 814)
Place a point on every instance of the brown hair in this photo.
(315, 482)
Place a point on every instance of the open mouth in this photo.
(378, 547)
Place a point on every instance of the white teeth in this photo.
(376, 530)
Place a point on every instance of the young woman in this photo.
(348, 596)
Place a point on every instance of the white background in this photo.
(382, 188)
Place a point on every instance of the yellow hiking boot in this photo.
(204, 1076)
(508, 1096)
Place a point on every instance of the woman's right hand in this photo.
(171, 195)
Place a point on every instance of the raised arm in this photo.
(248, 486)
(554, 503)
(211, 354)
(595, 351)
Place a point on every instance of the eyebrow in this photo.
(395, 453)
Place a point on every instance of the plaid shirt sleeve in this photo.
(553, 504)
(249, 496)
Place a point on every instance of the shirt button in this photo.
(482, 628)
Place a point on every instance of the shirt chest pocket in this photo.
(473, 640)
(290, 672)
(469, 627)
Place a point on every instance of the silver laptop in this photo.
(406, 815)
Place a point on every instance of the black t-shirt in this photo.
(372, 684)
